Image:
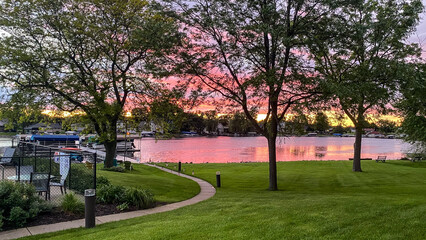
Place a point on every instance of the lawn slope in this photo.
(316, 200)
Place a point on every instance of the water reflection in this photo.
(254, 149)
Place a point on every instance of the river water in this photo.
(255, 149)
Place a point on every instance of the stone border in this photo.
(206, 191)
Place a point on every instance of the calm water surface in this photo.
(255, 149)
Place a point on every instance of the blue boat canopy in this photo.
(54, 138)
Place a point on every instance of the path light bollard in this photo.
(179, 166)
(218, 179)
(90, 203)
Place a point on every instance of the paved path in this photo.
(207, 191)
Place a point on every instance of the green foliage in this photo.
(386, 126)
(240, 124)
(102, 180)
(168, 116)
(18, 203)
(115, 169)
(111, 194)
(1, 220)
(321, 122)
(71, 204)
(127, 165)
(211, 121)
(125, 196)
(193, 122)
(109, 48)
(413, 107)
(18, 217)
(360, 53)
(123, 206)
(141, 198)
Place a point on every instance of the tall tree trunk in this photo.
(273, 186)
(110, 150)
(357, 150)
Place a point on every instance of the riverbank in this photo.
(316, 200)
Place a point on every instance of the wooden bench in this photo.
(416, 159)
(381, 159)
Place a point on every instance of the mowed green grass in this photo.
(316, 200)
(166, 187)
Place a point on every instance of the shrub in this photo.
(125, 196)
(71, 204)
(18, 203)
(111, 194)
(127, 165)
(102, 181)
(123, 206)
(114, 169)
(18, 217)
(1, 220)
(141, 198)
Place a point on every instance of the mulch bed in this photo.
(57, 215)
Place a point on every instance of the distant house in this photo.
(43, 127)
(222, 129)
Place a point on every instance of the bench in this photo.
(417, 158)
(381, 159)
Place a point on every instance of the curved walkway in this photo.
(206, 191)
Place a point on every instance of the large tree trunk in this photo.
(357, 150)
(110, 150)
(273, 186)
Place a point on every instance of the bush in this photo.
(18, 217)
(102, 181)
(71, 204)
(127, 165)
(114, 169)
(1, 220)
(141, 198)
(18, 203)
(125, 196)
(111, 194)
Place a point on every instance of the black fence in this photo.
(53, 170)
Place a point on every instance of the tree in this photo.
(193, 122)
(20, 111)
(249, 54)
(363, 62)
(211, 121)
(321, 122)
(413, 107)
(87, 55)
(239, 123)
(386, 126)
(166, 115)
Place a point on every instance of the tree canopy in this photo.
(360, 52)
(87, 55)
(250, 54)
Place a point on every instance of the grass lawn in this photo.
(317, 200)
(165, 186)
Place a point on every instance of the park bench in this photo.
(416, 159)
(381, 159)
